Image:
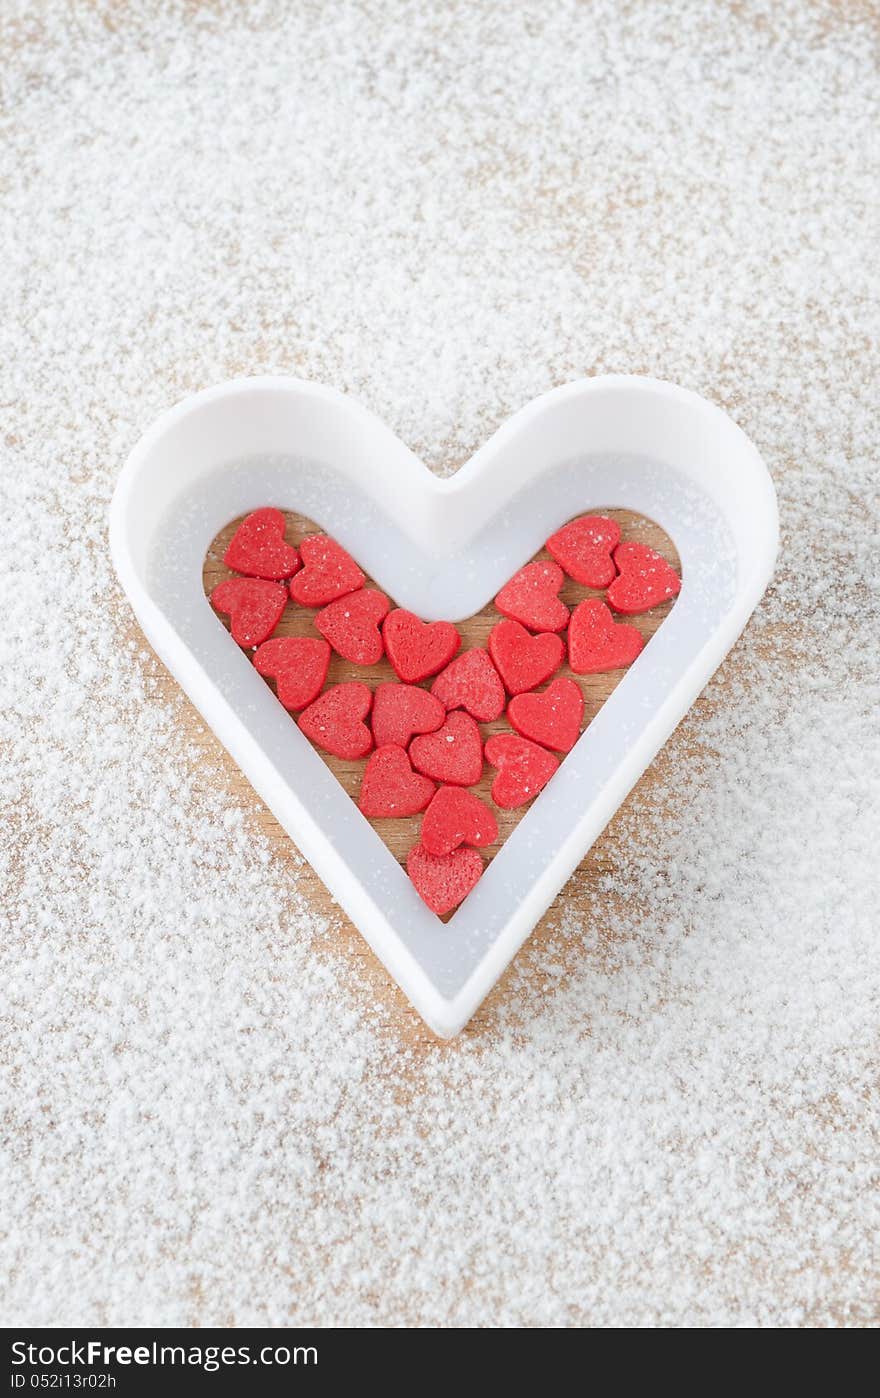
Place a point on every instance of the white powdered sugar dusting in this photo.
(215, 1110)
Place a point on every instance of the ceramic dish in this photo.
(443, 548)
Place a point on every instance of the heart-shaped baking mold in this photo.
(443, 549)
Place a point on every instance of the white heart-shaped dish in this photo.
(443, 548)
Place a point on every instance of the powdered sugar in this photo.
(668, 1110)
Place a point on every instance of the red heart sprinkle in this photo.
(457, 817)
(453, 754)
(351, 625)
(400, 710)
(552, 718)
(524, 661)
(417, 648)
(523, 769)
(334, 721)
(443, 881)
(258, 548)
(328, 572)
(645, 580)
(254, 607)
(596, 642)
(471, 682)
(531, 597)
(390, 787)
(584, 547)
(298, 665)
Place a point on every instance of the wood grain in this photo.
(401, 834)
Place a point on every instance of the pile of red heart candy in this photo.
(425, 745)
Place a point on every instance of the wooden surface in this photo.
(401, 834)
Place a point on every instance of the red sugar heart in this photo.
(443, 881)
(254, 607)
(645, 580)
(334, 721)
(400, 710)
(596, 642)
(298, 665)
(351, 625)
(552, 718)
(524, 661)
(523, 769)
(258, 548)
(531, 597)
(328, 572)
(471, 682)
(457, 817)
(417, 648)
(390, 787)
(453, 754)
(584, 548)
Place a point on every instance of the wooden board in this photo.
(401, 834)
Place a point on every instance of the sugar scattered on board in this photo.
(668, 1111)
